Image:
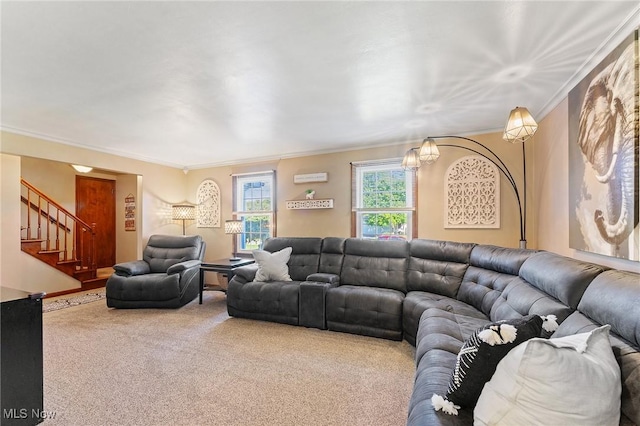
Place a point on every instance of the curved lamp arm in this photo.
(507, 174)
(497, 161)
(520, 127)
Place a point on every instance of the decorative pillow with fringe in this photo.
(480, 355)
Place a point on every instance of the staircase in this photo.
(57, 237)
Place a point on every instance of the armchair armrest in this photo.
(128, 269)
(245, 274)
(324, 278)
(183, 266)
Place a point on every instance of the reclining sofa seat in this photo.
(372, 287)
(434, 275)
(500, 283)
(276, 301)
(621, 291)
(166, 277)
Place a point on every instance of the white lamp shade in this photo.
(233, 227)
(183, 212)
(411, 160)
(429, 151)
(520, 126)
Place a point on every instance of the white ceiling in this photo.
(195, 84)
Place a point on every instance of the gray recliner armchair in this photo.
(167, 277)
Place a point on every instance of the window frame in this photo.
(358, 170)
(241, 179)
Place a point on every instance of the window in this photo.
(254, 204)
(383, 197)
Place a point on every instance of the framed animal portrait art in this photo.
(603, 156)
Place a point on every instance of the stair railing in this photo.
(65, 224)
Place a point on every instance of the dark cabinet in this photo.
(21, 358)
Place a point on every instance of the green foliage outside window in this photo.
(392, 221)
(385, 189)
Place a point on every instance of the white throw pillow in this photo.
(573, 380)
(272, 266)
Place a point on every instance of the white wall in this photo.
(337, 221)
(158, 188)
(10, 221)
(127, 242)
(18, 269)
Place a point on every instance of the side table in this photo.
(222, 266)
(21, 357)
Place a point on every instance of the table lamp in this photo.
(233, 227)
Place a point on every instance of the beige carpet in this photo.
(197, 366)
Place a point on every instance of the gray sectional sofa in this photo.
(435, 294)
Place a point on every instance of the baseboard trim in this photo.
(73, 290)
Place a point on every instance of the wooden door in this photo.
(96, 203)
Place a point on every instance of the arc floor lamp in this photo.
(520, 127)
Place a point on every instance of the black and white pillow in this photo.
(480, 355)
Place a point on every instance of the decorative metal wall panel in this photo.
(208, 205)
(472, 194)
